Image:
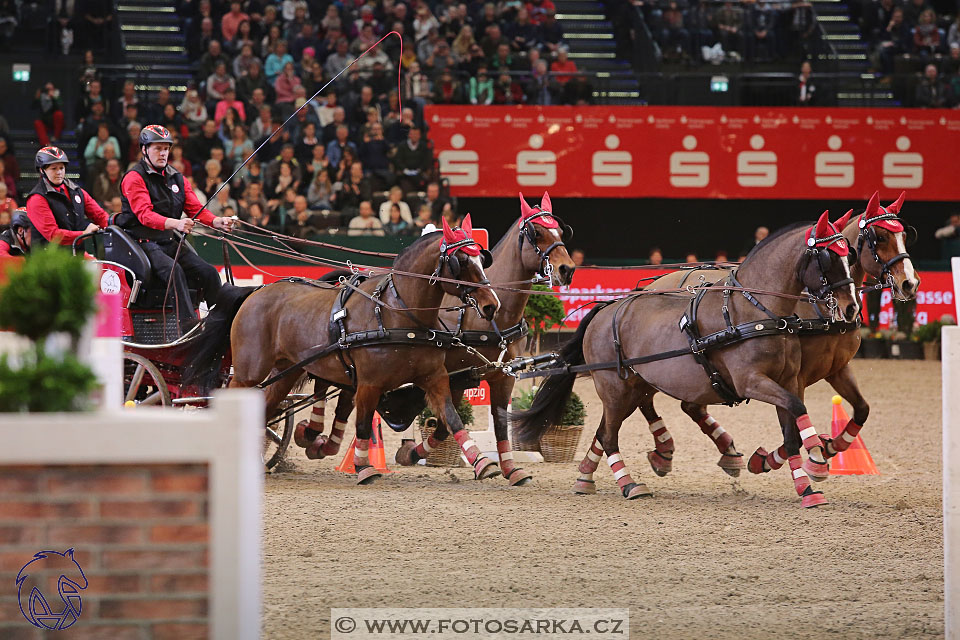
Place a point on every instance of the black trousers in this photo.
(190, 269)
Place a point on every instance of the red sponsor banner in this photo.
(697, 152)
(935, 298)
(479, 396)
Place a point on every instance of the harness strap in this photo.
(715, 340)
(372, 338)
(750, 298)
(486, 338)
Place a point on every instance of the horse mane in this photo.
(773, 236)
(409, 253)
(506, 236)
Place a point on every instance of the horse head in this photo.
(465, 262)
(825, 269)
(545, 234)
(882, 241)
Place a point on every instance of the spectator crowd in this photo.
(715, 31)
(356, 157)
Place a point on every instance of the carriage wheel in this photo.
(143, 383)
(276, 440)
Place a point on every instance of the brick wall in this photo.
(140, 534)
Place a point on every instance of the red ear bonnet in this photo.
(545, 204)
(874, 210)
(545, 221)
(824, 234)
(842, 223)
(457, 235)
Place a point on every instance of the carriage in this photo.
(155, 347)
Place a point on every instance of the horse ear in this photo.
(873, 206)
(447, 233)
(823, 225)
(525, 209)
(895, 207)
(842, 223)
(467, 226)
(545, 204)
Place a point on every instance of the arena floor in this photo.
(707, 557)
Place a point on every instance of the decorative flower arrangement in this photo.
(52, 293)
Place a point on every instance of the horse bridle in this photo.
(821, 254)
(527, 231)
(868, 236)
(449, 260)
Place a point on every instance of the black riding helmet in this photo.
(154, 133)
(20, 219)
(50, 155)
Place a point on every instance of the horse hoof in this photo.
(405, 454)
(636, 490)
(818, 471)
(755, 465)
(813, 499)
(485, 468)
(518, 477)
(366, 475)
(299, 435)
(827, 440)
(585, 487)
(731, 463)
(315, 449)
(329, 448)
(660, 464)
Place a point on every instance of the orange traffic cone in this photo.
(856, 460)
(378, 457)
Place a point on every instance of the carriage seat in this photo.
(116, 245)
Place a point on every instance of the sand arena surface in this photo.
(708, 556)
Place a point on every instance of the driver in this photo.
(59, 210)
(154, 198)
(15, 241)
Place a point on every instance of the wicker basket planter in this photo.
(516, 445)
(559, 444)
(447, 453)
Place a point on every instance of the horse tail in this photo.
(209, 347)
(549, 404)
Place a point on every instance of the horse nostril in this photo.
(907, 286)
(851, 312)
(489, 310)
(566, 273)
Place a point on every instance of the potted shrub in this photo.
(928, 335)
(559, 442)
(52, 294)
(903, 348)
(447, 454)
(543, 313)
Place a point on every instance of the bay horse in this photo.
(881, 240)
(537, 248)
(643, 329)
(277, 328)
